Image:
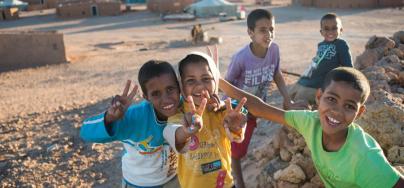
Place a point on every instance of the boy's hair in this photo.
(191, 58)
(154, 68)
(351, 76)
(331, 16)
(256, 15)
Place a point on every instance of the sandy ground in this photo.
(41, 109)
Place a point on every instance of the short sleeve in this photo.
(301, 120)
(375, 171)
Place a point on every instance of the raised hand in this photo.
(120, 103)
(234, 121)
(193, 119)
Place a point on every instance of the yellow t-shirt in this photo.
(207, 163)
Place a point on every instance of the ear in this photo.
(319, 93)
(250, 32)
(362, 109)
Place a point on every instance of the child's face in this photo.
(263, 33)
(164, 94)
(195, 79)
(330, 29)
(339, 105)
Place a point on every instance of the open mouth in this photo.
(332, 122)
(168, 107)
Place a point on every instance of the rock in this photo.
(285, 155)
(383, 120)
(369, 57)
(285, 184)
(275, 165)
(401, 78)
(398, 37)
(293, 174)
(306, 163)
(376, 42)
(310, 185)
(396, 154)
(395, 51)
(316, 180)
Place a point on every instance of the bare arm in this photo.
(400, 183)
(255, 106)
(280, 82)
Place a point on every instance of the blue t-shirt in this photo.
(330, 55)
(358, 163)
(148, 160)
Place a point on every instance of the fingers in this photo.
(133, 92)
(127, 86)
(240, 104)
(202, 106)
(191, 103)
(228, 104)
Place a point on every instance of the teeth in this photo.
(168, 107)
(333, 120)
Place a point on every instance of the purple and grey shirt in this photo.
(251, 73)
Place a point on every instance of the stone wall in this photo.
(24, 49)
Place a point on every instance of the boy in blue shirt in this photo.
(332, 52)
(342, 152)
(148, 161)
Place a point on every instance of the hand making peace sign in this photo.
(234, 119)
(120, 103)
(193, 119)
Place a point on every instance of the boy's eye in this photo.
(171, 89)
(190, 81)
(155, 94)
(330, 29)
(350, 107)
(207, 79)
(332, 99)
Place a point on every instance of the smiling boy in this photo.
(343, 153)
(148, 161)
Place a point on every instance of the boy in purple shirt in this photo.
(252, 69)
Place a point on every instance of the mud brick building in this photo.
(88, 8)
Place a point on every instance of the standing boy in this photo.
(332, 52)
(148, 161)
(252, 69)
(342, 152)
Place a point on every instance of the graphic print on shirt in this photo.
(256, 81)
(324, 52)
(144, 146)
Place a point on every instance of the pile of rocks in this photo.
(383, 64)
(285, 160)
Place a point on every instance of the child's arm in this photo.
(104, 127)
(254, 105)
(344, 55)
(280, 82)
(235, 121)
(400, 183)
(179, 136)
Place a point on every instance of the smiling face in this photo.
(263, 33)
(331, 29)
(196, 78)
(339, 105)
(163, 92)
